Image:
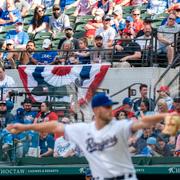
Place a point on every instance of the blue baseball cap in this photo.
(127, 101)
(101, 99)
(129, 19)
(151, 140)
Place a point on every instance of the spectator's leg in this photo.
(170, 54)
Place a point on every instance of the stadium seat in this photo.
(70, 11)
(42, 35)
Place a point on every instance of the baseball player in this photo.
(104, 141)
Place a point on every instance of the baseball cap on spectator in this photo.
(3, 102)
(129, 19)
(56, 7)
(101, 99)
(151, 140)
(68, 28)
(99, 12)
(98, 37)
(46, 43)
(117, 11)
(106, 18)
(127, 101)
(9, 41)
(164, 89)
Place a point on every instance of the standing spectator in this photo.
(69, 36)
(58, 21)
(29, 56)
(105, 5)
(98, 55)
(11, 15)
(107, 32)
(23, 6)
(19, 37)
(40, 22)
(166, 37)
(164, 94)
(6, 84)
(47, 56)
(143, 89)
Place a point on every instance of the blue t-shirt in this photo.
(5, 16)
(64, 3)
(46, 143)
(47, 57)
(18, 37)
(44, 19)
(165, 21)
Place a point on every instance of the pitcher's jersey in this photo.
(106, 149)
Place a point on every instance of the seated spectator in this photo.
(83, 55)
(165, 94)
(166, 36)
(107, 32)
(84, 7)
(176, 104)
(162, 106)
(156, 7)
(98, 55)
(23, 7)
(29, 56)
(47, 56)
(128, 50)
(19, 36)
(174, 8)
(105, 5)
(58, 21)
(177, 148)
(118, 23)
(11, 15)
(46, 145)
(137, 21)
(122, 114)
(6, 84)
(69, 36)
(40, 22)
(10, 58)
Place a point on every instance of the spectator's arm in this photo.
(75, 4)
(42, 27)
(162, 39)
(135, 56)
(48, 153)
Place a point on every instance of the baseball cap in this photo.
(164, 89)
(46, 43)
(127, 101)
(151, 140)
(117, 11)
(27, 100)
(68, 28)
(106, 18)
(129, 18)
(98, 37)
(56, 6)
(101, 99)
(9, 41)
(3, 102)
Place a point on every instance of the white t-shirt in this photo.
(106, 149)
(7, 82)
(108, 34)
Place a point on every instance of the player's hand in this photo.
(15, 128)
(172, 124)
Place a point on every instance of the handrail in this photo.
(164, 73)
(124, 89)
(175, 77)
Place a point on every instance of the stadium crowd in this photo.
(78, 32)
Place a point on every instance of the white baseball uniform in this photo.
(106, 149)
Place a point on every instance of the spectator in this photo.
(107, 32)
(40, 22)
(162, 106)
(23, 6)
(176, 104)
(122, 114)
(2, 48)
(19, 37)
(177, 148)
(137, 21)
(69, 36)
(6, 84)
(105, 5)
(47, 56)
(11, 15)
(143, 89)
(164, 94)
(46, 144)
(118, 23)
(128, 50)
(83, 55)
(29, 56)
(64, 3)
(99, 55)
(58, 21)
(166, 37)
